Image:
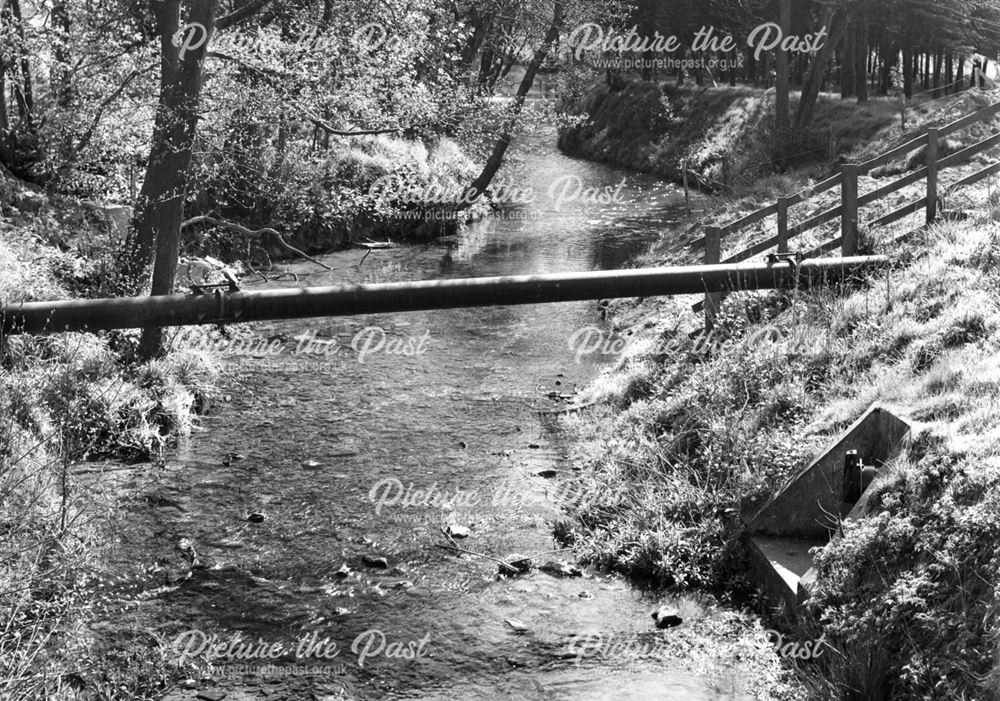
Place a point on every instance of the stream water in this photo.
(274, 493)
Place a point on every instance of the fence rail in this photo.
(847, 210)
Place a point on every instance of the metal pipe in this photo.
(344, 300)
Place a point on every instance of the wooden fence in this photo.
(850, 201)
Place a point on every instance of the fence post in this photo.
(713, 255)
(783, 224)
(849, 210)
(932, 157)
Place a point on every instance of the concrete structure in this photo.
(807, 512)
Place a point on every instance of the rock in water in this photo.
(667, 617)
(375, 561)
(211, 695)
(516, 625)
(457, 531)
(561, 569)
(515, 564)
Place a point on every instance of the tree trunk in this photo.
(810, 91)
(62, 70)
(908, 71)
(160, 206)
(486, 59)
(890, 54)
(861, 61)
(781, 108)
(6, 138)
(481, 24)
(646, 24)
(27, 97)
(848, 73)
(873, 60)
(495, 160)
(937, 73)
(23, 92)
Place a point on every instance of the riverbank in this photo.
(725, 134)
(692, 434)
(67, 400)
(350, 190)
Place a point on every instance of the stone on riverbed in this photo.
(375, 561)
(667, 617)
(515, 564)
(457, 531)
(561, 569)
(516, 625)
(211, 695)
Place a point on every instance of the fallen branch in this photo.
(233, 226)
(359, 132)
(262, 276)
(472, 552)
(375, 245)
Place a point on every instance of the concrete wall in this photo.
(810, 505)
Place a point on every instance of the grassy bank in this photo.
(689, 440)
(725, 134)
(67, 403)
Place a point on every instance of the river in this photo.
(274, 491)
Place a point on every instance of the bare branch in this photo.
(359, 132)
(88, 135)
(236, 16)
(239, 228)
